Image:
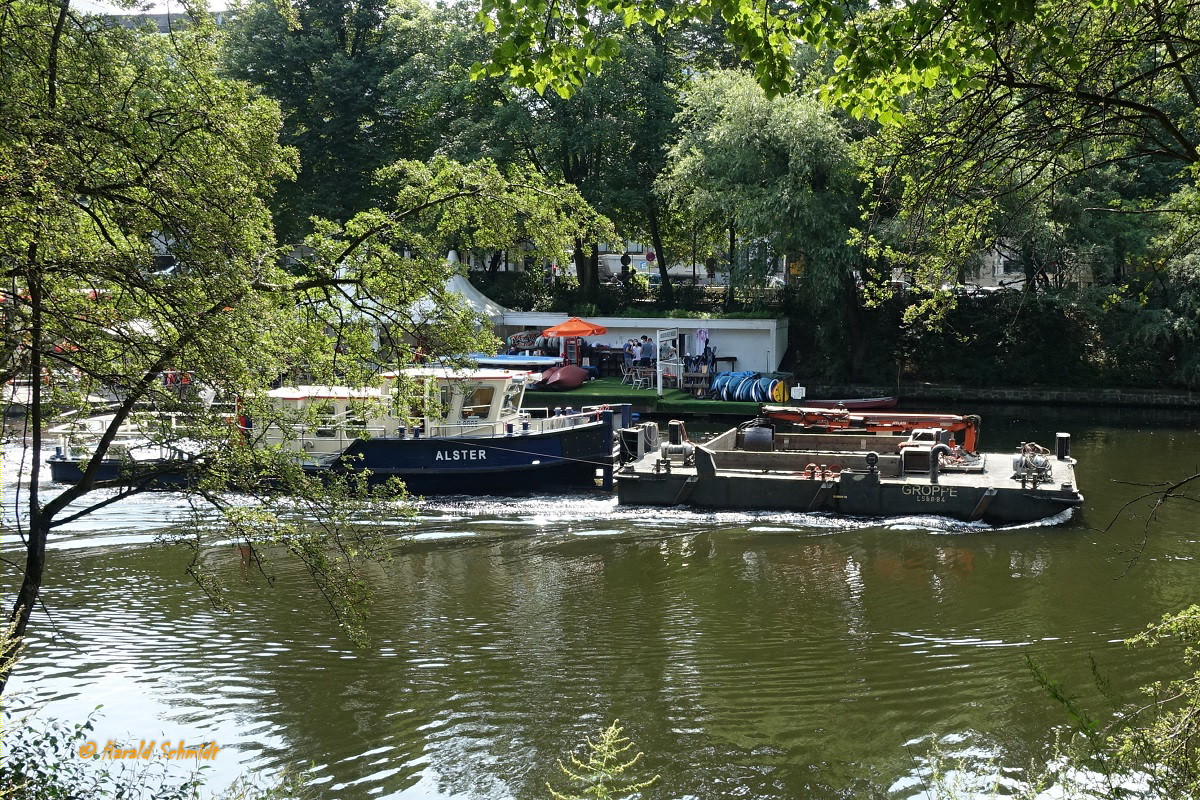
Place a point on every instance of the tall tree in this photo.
(324, 62)
(1023, 93)
(779, 173)
(610, 139)
(1087, 101)
(115, 143)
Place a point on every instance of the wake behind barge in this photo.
(857, 464)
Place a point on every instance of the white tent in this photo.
(477, 300)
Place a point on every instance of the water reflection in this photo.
(774, 656)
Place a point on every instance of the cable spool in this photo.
(734, 386)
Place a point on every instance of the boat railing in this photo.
(335, 433)
(516, 425)
(534, 420)
(546, 412)
(329, 438)
(466, 429)
(170, 432)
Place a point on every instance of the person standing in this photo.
(649, 351)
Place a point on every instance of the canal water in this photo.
(765, 656)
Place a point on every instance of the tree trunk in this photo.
(856, 324)
(729, 274)
(587, 269)
(494, 265)
(666, 293)
(31, 587)
(39, 531)
(1029, 265)
(592, 290)
(582, 265)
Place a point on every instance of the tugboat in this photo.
(466, 432)
(869, 464)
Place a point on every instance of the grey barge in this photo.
(883, 465)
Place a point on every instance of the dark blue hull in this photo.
(495, 465)
(567, 457)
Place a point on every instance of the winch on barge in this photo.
(859, 464)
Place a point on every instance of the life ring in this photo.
(811, 471)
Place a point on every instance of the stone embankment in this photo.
(1146, 398)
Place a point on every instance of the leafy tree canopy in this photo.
(903, 47)
(119, 146)
(778, 170)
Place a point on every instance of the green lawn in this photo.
(612, 391)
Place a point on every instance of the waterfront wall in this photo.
(1046, 395)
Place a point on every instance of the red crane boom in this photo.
(876, 421)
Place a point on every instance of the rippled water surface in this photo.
(770, 656)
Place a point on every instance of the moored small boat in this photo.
(516, 362)
(564, 378)
(855, 403)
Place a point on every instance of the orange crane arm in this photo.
(876, 421)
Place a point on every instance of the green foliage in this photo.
(531, 291)
(1067, 147)
(330, 524)
(637, 286)
(118, 143)
(557, 45)
(778, 171)
(887, 54)
(526, 290)
(602, 772)
(324, 63)
(42, 761)
(1158, 740)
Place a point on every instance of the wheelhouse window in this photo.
(478, 402)
(418, 402)
(512, 399)
(326, 427)
(356, 419)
